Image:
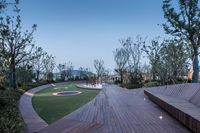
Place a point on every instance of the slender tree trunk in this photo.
(195, 76)
(14, 77)
(154, 76)
(13, 73)
(37, 75)
(121, 76)
(153, 70)
(11, 77)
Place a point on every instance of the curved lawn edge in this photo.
(60, 107)
(33, 122)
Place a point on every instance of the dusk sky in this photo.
(83, 30)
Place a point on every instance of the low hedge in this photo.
(131, 86)
(10, 120)
(152, 84)
(29, 86)
(117, 82)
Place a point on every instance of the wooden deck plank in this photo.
(116, 110)
(181, 104)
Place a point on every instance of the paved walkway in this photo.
(116, 110)
(83, 86)
(33, 122)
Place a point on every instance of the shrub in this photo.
(10, 120)
(152, 84)
(60, 80)
(117, 82)
(131, 86)
(50, 76)
(135, 77)
(77, 78)
(2, 87)
(28, 86)
(180, 80)
(147, 81)
(70, 79)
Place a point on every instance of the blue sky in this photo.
(83, 30)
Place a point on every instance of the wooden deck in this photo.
(181, 101)
(116, 110)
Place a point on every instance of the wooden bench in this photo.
(181, 101)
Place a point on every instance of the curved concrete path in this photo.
(116, 110)
(82, 86)
(32, 120)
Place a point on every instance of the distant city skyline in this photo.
(81, 31)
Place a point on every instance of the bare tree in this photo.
(84, 72)
(4, 4)
(49, 65)
(99, 67)
(62, 69)
(134, 52)
(69, 69)
(38, 56)
(121, 58)
(153, 53)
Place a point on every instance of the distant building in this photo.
(74, 74)
(113, 78)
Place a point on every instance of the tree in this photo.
(16, 45)
(38, 57)
(62, 69)
(3, 66)
(84, 73)
(4, 4)
(2, 71)
(49, 65)
(153, 53)
(174, 60)
(146, 70)
(24, 74)
(184, 22)
(121, 58)
(134, 52)
(69, 69)
(99, 67)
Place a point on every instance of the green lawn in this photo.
(51, 108)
